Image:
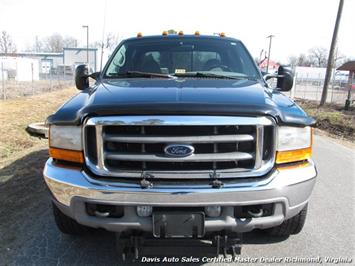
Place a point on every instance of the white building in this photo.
(18, 68)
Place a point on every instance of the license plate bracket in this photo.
(178, 224)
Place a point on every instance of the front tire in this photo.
(66, 224)
(291, 226)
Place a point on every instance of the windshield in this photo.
(182, 57)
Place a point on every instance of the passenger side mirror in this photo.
(284, 79)
(81, 77)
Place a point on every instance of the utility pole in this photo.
(3, 80)
(331, 54)
(87, 44)
(268, 56)
(261, 54)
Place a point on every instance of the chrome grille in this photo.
(128, 146)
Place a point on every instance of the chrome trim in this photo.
(259, 122)
(178, 139)
(259, 146)
(99, 148)
(66, 183)
(202, 157)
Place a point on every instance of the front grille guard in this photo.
(261, 167)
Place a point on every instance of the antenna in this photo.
(103, 35)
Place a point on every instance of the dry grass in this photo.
(332, 118)
(16, 114)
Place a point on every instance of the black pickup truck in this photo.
(180, 137)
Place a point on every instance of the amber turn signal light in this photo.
(293, 155)
(66, 155)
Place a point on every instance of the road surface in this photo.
(30, 237)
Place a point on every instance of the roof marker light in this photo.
(197, 33)
(139, 34)
(222, 34)
(181, 33)
(165, 33)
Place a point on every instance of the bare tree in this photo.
(293, 60)
(54, 43)
(6, 44)
(111, 41)
(318, 56)
(38, 45)
(303, 60)
(340, 58)
(70, 42)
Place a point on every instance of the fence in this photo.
(12, 88)
(305, 87)
(311, 89)
(309, 86)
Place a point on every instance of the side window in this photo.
(118, 61)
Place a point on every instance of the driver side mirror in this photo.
(82, 77)
(284, 79)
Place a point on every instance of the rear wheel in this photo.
(66, 224)
(291, 226)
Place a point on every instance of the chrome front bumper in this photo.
(288, 189)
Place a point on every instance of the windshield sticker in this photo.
(180, 71)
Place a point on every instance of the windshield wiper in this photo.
(139, 74)
(210, 75)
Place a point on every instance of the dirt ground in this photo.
(332, 118)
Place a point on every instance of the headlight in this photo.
(293, 144)
(65, 143)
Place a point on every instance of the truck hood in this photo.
(180, 97)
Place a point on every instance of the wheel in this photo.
(66, 224)
(291, 226)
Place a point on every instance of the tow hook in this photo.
(145, 184)
(215, 182)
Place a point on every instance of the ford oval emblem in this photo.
(179, 150)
